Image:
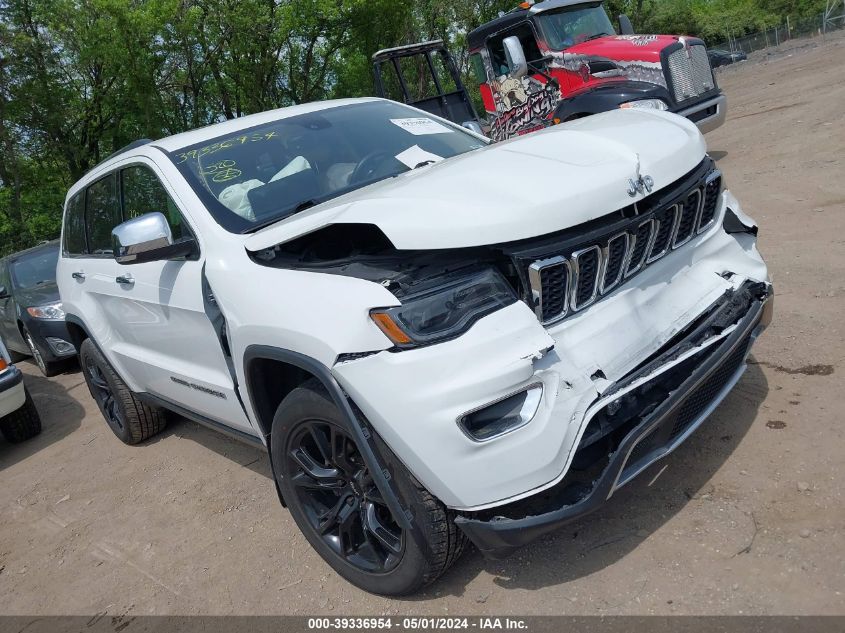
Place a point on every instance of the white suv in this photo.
(434, 337)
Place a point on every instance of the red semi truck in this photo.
(562, 59)
(554, 61)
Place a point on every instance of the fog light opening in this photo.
(503, 416)
(60, 346)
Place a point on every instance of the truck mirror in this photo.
(625, 26)
(515, 57)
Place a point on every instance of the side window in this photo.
(74, 243)
(102, 214)
(478, 71)
(144, 193)
(529, 46)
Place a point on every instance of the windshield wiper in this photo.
(596, 36)
(424, 163)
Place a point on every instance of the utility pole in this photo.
(788, 29)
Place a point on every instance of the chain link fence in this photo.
(814, 26)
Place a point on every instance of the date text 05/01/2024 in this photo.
(416, 623)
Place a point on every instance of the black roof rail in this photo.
(125, 148)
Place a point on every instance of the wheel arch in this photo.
(298, 368)
(77, 330)
(608, 96)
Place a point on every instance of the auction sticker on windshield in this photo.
(421, 126)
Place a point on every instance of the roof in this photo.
(215, 130)
(233, 126)
(408, 49)
(32, 249)
(476, 37)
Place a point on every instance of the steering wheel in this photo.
(369, 165)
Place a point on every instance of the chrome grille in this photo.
(565, 283)
(688, 217)
(613, 260)
(550, 279)
(690, 72)
(667, 220)
(639, 249)
(712, 189)
(585, 272)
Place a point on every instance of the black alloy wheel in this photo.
(339, 498)
(104, 396)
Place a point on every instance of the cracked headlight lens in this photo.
(444, 311)
(49, 312)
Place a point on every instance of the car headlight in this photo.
(444, 311)
(649, 104)
(50, 311)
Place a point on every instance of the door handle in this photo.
(78, 275)
(125, 280)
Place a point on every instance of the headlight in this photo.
(650, 104)
(444, 311)
(50, 312)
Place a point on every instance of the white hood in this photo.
(526, 187)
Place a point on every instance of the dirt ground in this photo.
(746, 518)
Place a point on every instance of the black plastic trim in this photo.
(609, 96)
(364, 439)
(156, 401)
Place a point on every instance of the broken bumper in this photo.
(666, 427)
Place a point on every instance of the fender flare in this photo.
(609, 96)
(363, 437)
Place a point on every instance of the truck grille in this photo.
(565, 282)
(690, 73)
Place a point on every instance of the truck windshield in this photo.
(573, 25)
(265, 173)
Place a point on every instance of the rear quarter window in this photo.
(102, 214)
(74, 236)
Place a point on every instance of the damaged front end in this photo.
(639, 420)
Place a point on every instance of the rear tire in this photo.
(369, 549)
(131, 420)
(22, 424)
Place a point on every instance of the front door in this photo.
(157, 328)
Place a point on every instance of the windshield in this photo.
(263, 174)
(36, 268)
(568, 27)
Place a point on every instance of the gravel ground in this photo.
(746, 518)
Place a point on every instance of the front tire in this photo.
(22, 424)
(48, 368)
(131, 420)
(338, 508)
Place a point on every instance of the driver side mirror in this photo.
(515, 57)
(4, 294)
(148, 238)
(625, 26)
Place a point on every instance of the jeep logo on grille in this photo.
(640, 184)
